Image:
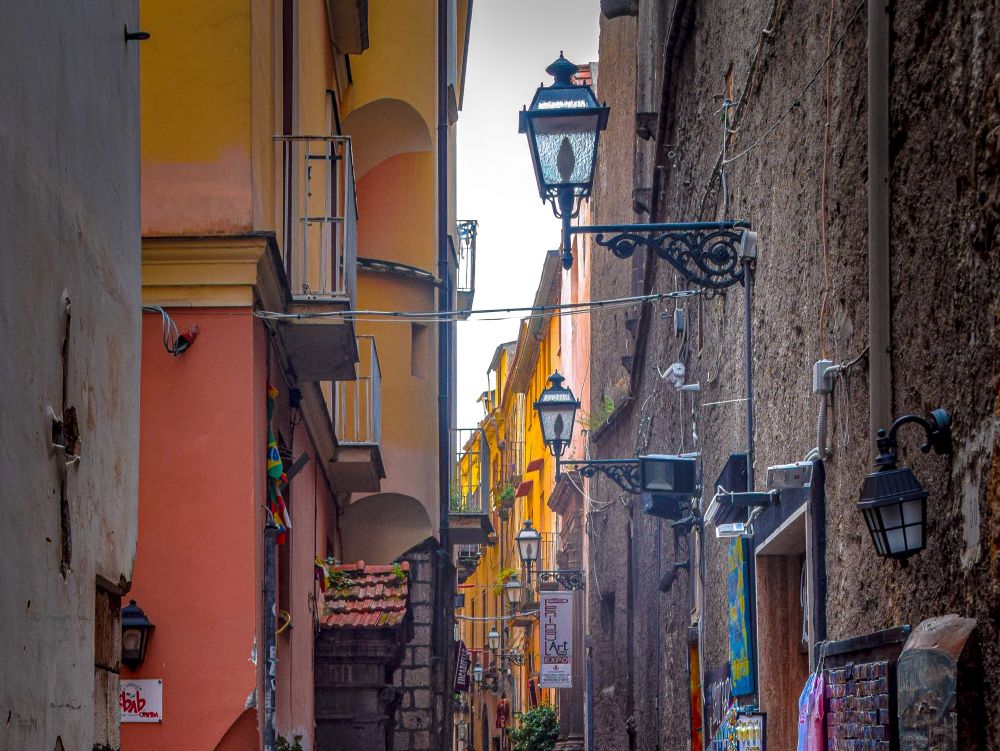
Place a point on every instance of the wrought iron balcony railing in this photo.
(357, 408)
(466, 230)
(319, 248)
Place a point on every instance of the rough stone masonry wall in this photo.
(415, 719)
(810, 299)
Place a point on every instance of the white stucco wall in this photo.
(69, 223)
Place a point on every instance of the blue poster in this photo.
(740, 653)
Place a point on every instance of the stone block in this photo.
(419, 677)
(422, 698)
(421, 741)
(414, 720)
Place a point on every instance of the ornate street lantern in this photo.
(563, 125)
(493, 639)
(556, 408)
(513, 589)
(135, 635)
(528, 543)
(477, 675)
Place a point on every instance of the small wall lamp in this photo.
(135, 635)
(893, 501)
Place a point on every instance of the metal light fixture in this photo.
(135, 635)
(563, 125)
(462, 731)
(893, 501)
(493, 639)
(513, 589)
(528, 543)
(668, 485)
(477, 675)
(556, 407)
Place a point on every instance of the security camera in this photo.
(736, 529)
(789, 476)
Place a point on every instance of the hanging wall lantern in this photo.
(135, 635)
(893, 501)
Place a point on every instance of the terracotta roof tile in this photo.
(375, 598)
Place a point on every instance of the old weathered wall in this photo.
(69, 228)
(810, 300)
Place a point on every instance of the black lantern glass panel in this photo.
(512, 588)
(894, 504)
(135, 635)
(528, 543)
(563, 126)
(556, 408)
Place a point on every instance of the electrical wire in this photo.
(534, 311)
(796, 102)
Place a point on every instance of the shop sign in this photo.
(462, 662)
(141, 700)
(556, 624)
(740, 648)
(718, 704)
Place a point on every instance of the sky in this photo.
(511, 44)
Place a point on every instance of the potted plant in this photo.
(507, 496)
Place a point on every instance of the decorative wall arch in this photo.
(383, 128)
(381, 527)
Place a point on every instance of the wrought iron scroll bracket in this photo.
(710, 255)
(568, 579)
(623, 472)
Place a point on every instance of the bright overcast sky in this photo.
(511, 44)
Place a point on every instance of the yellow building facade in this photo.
(506, 463)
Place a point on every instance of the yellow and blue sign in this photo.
(740, 646)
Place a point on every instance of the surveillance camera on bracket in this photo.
(790, 476)
(733, 529)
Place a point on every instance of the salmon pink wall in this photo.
(198, 550)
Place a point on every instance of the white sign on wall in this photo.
(141, 700)
(556, 624)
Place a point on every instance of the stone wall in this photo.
(69, 335)
(423, 712)
(804, 190)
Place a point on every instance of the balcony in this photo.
(319, 254)
(357, 420)
(466, 259)
(467, 559)
(469, 516)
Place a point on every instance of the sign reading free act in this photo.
(141, 700)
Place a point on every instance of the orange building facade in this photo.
(288, 153)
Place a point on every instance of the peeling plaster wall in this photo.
(945, 214)
(69, 225)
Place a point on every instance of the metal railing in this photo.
(466, 277)
(357, 408)
(320, 217)
(469, 490)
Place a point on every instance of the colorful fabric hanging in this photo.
(276, 478)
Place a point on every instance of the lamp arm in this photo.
(937, 431)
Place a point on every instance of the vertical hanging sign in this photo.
(740, 649)
(556, 624)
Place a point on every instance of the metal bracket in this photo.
(708, 254)
(571, 579)
(623, 472)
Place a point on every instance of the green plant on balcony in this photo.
(507, 495)
(283, 744)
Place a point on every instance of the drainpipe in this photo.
(270, 645)
(442, 593)
(879, 286)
